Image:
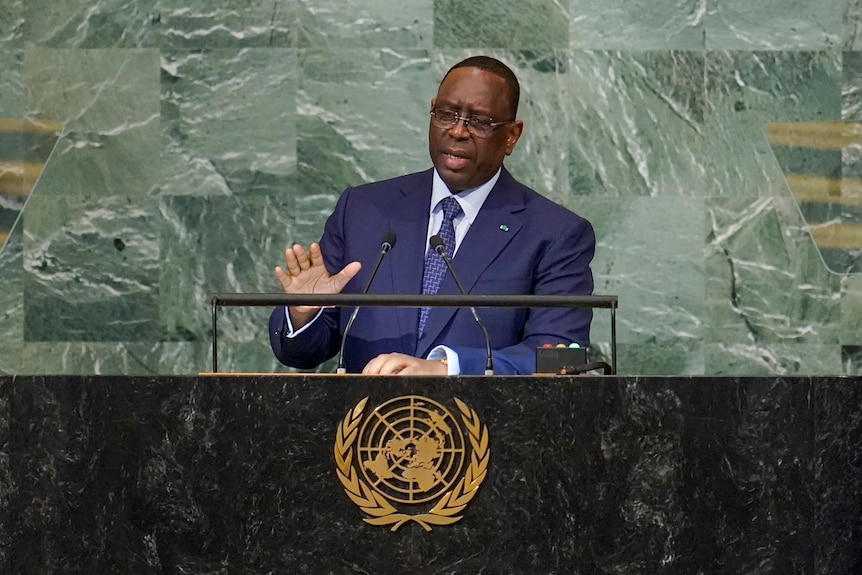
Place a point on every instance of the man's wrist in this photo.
(293, 329)
(447, 357)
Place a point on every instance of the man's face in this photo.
(463, 160)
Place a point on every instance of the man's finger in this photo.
(382, 364)
(393, 365)
(282, 278)
(301, 257)
(315, 254)
(290, 262)
(372, 366)
(349, 271)
(388, 364)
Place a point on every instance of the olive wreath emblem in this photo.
(446, 510)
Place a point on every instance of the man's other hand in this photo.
(401, 364)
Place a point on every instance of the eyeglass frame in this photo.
(468, 122)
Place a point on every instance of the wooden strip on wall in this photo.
(817, 189)
(17, 178)
(818, 135)
(29, 126)
(837, 236)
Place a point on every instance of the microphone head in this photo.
(388, 241)
(437, 244)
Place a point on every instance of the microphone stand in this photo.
(388, 242)
(439, 246)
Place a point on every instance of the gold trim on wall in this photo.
(818, 135)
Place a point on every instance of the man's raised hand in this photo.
(304, 273)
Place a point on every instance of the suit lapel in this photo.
(409, 222)
(497, 224)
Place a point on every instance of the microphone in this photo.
(439, 246)
(386, 244)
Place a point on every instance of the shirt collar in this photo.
(471, 200)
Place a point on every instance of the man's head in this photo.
(481, 90)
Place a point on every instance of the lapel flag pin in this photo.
(504, 227)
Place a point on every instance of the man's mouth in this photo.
(453, 161)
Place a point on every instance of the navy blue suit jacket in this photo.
(520, 243)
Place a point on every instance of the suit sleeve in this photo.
(322, 339)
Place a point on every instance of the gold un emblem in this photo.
(409, 455)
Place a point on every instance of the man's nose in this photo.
(459, 130)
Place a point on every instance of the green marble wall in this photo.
(200, 138)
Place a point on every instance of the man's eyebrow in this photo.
(455, 107)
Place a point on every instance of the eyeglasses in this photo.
(479, 126)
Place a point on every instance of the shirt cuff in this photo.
(290, 333)
(441, 351)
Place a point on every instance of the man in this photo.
(508, 239)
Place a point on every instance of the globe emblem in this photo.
(411, 449)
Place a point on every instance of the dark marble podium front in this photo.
(236, 474)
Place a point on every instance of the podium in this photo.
(237, 474)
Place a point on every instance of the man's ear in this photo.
(516, 128)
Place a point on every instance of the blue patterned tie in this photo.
(435, 267)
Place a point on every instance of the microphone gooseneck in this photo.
(386, 244)
(439, 246)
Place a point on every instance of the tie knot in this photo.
(451, 208)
